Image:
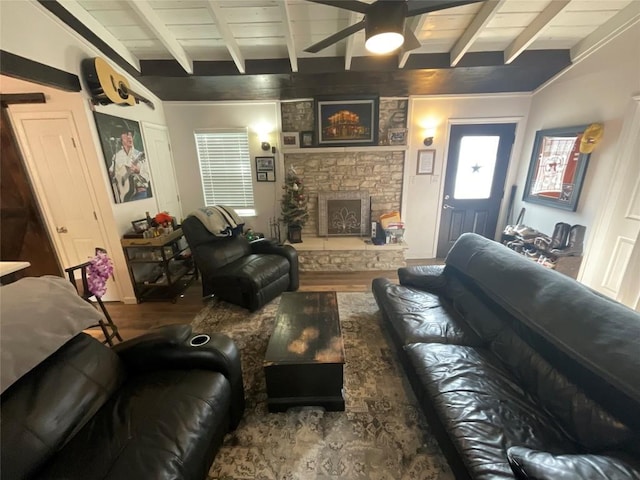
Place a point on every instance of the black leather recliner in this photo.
(152, 407)
(249, 274)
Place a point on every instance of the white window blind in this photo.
(225, 169)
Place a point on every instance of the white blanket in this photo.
(37, 316)
(219, 220)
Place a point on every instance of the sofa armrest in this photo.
(170, 348)
(425, 277)
(269, 247)
(530, 464)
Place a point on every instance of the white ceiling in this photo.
(257, 29)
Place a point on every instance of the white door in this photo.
(156, 139)
(613, 260)
(49, 142)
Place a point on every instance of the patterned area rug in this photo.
(382, 435)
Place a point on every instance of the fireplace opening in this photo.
(343, 213)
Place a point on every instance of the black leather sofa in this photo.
(155, 407)
(521, 371)
(249, 274)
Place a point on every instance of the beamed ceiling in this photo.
(254, 49)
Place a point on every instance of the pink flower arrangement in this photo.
(99, 271)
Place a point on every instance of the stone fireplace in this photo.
(378, 173)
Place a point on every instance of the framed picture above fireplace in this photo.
(343, 122)
(343, 213)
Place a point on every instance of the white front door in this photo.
(50, 146)
(156, 139)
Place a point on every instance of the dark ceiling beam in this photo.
(389, 63)
(482, 73)
(24, 69)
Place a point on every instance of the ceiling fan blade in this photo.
(336, 37)
(410, 40)
(419, 7)
(352, 5)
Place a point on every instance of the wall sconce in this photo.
(429, 133)
(265, 146)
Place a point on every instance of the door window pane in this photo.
(476, 163)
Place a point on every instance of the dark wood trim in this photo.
(7, 99)
(24, 69)
(72, 22)
(540, 59)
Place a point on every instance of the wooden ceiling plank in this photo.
(473, 31)
(78, 11)
(227, 36)
(416, 24)
(288, 35)
(153, 21)
(623, 20)
(534, 29)
(351, 40)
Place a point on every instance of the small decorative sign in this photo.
(426, 159)
(397, 136)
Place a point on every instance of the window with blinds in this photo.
(225, 169)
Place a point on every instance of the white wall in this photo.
(183, 118)
(598, 89)
(28, 30)
(56, 45)
(422, 193)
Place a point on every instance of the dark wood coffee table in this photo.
(305, 357)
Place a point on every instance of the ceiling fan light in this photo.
(384, 42)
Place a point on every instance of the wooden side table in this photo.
(161, 268)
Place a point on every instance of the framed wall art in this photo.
(343, 122)
(265, 169)
(306, 139)
(557, 168)
(290, 140)
(124, 156)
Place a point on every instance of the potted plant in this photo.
(294, 206)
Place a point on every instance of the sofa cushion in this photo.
(160, 425)
(44, 409)
(481, 406)
(584, 419)
(530, 464)
(418, 316)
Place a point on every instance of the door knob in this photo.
(62, 230)
(445, 206)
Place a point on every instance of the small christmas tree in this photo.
(294, 202)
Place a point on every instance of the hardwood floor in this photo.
(134, 320)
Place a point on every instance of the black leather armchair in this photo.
(157, 406)
(249, 274)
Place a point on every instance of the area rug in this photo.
(382, 434)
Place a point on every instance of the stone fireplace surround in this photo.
(378, 171)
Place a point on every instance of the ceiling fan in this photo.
(384, 22)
